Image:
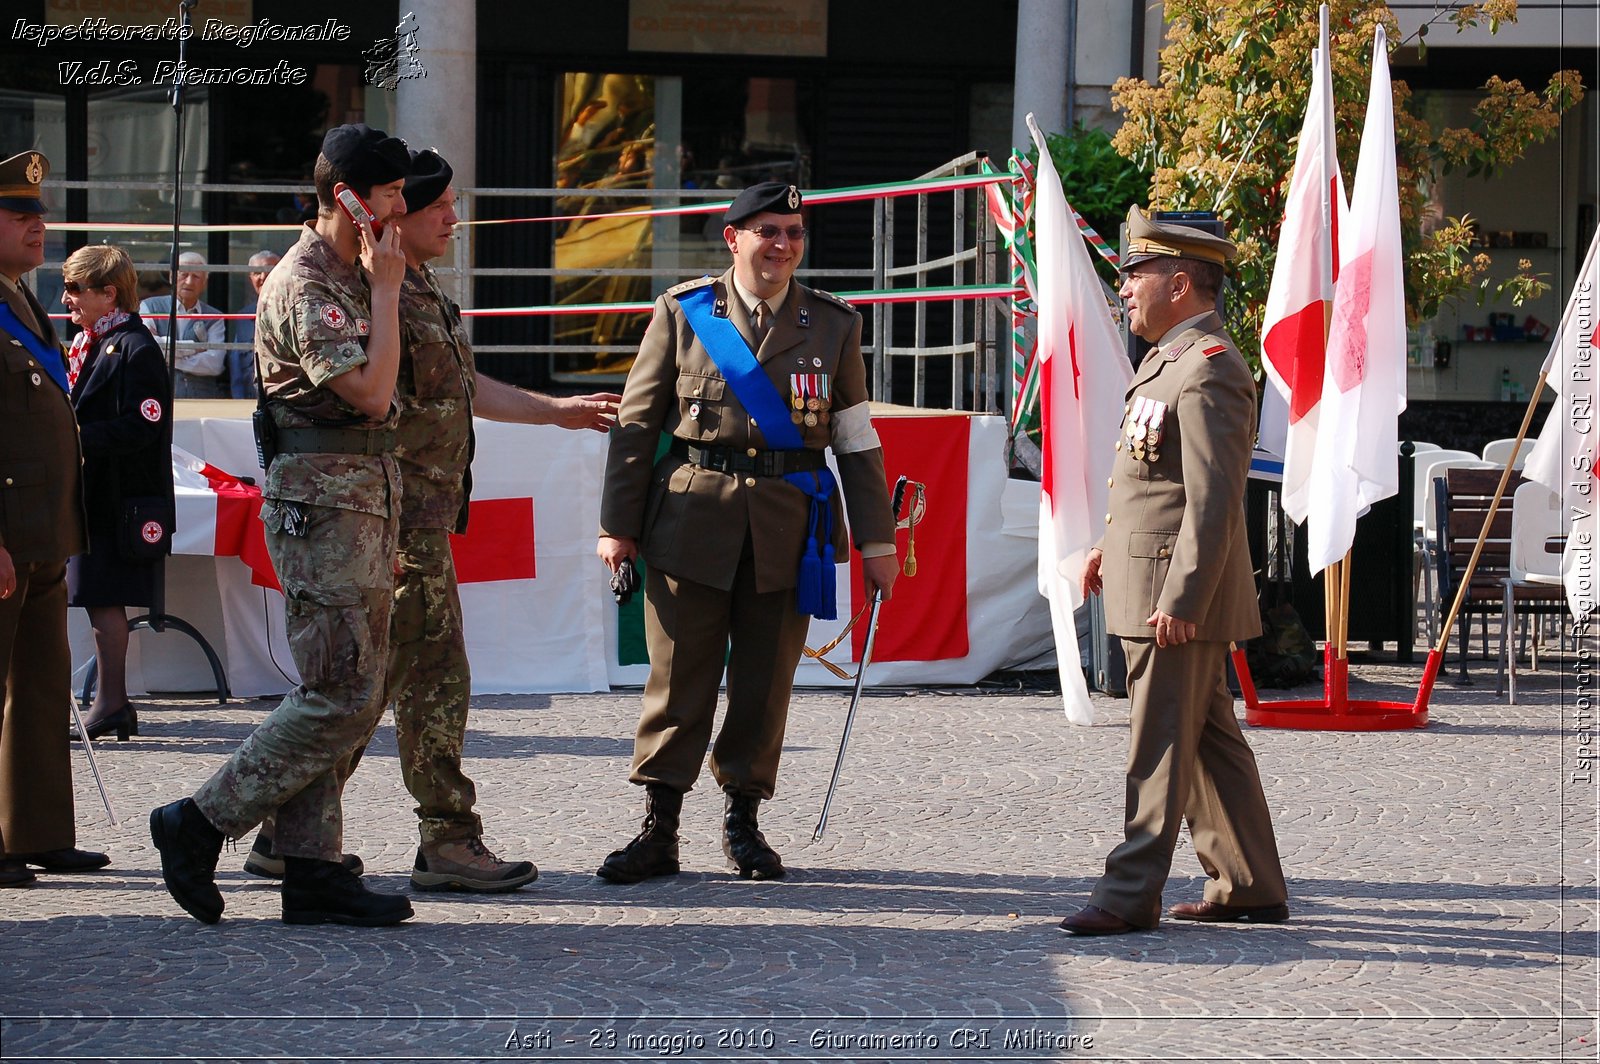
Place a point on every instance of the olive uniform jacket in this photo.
(692, 522)
(41, 500)
(1175, 535)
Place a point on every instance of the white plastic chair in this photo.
(1421, 506)
(1427, 472)
(1497, 451)
(1537, 517)
(1419, 446)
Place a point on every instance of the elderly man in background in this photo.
(202, 362)
(242, 360)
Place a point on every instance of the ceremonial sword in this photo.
(88, 749)
(861, 676)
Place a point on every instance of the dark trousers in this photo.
(35, 762)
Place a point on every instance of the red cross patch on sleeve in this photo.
(332, 316)
(150, 410)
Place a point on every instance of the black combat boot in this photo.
(189, 848)
(326, 892)
(746, 848)
(654, 851)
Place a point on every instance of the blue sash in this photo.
(721, 339)
(815, 593)
(49, 357)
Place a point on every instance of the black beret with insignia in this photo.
(430, 176)
(20, 178)
(774, 196)
(367, 156)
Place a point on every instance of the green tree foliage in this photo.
(1220, 129)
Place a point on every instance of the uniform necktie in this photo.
(763, 322)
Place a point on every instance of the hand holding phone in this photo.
(356, 209)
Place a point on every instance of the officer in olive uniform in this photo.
(726, 517)
(41, 525)
(328, 350)
(1177, 581)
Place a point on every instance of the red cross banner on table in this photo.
(532, 616)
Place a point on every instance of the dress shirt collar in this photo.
(750, 299)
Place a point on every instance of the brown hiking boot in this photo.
(467, 864)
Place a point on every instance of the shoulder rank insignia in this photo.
(684, 286)
(1215, 349)
(835, 300)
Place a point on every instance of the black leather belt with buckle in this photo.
(750, 461)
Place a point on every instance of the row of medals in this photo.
(812, 397)
(1145, 420)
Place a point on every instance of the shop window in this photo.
(619, 132)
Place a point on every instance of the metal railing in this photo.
(952, 242)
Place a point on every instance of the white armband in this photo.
(853, 431)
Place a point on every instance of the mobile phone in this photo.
(357, 210)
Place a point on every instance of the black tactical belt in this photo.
(750, 461)
(334, 441)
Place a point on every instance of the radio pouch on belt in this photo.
(265, 429)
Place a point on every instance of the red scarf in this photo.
(85, 341)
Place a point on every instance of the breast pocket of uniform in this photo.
(1150, 554)
(701, 405)
(23, 378)
(435, 370)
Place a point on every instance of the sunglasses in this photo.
(73, 288)
(795, 233)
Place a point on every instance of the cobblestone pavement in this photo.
(1443, 886)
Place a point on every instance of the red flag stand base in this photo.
(1336, 711)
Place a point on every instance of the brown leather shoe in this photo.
(1214, 912)
(1093, 920)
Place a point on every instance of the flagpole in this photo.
(1344, 604)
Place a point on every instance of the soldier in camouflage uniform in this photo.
(328, 350)
(429, 678)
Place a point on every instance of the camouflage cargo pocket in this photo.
(329, 637)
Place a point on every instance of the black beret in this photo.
(430, 176)
(774, 196)
(367, 156)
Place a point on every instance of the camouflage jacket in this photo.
(436, 387)
(312, 325)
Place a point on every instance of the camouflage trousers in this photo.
(338, 583)
(430, 685)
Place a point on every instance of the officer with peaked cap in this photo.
(41, 525)
(1174, 567)
(754, 376)
(327, 352)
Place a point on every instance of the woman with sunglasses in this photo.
(122, 396)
